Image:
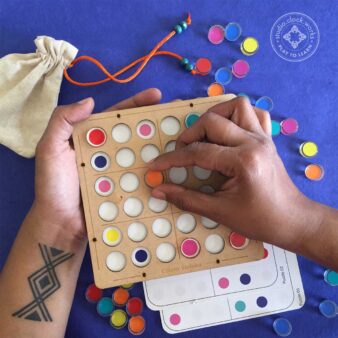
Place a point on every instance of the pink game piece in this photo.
(145, 130)
(190, 248)
(289, 126)
(216, 34)
(223, 283)
(175, 319)
(240, 69)
(104, 186)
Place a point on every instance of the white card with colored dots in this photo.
(228, 294)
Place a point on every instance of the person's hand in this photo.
(57, 192)
(257, 199)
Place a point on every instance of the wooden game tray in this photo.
(103, 276)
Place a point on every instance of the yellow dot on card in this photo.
(308, 149)
(112, 236)
(249, 46)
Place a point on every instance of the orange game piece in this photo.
(136, 325)
(153, 178)
(120, 297)
(314, 172)
(215, 89)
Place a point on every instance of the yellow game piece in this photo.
(118, 319)
(249, 46)
(127, 286)
(308, 149)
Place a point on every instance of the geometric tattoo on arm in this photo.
(43, 283)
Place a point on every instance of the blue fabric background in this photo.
(117, 32)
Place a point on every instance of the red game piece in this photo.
(93, 293)
(134, 306)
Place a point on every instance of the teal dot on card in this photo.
(331, 277)
(105, 307)
(191, 119)
(240, 306)
(275, 128)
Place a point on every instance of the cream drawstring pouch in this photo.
(29, 90)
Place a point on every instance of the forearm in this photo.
(41, 270)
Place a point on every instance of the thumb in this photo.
(61, 124)
(186, 199)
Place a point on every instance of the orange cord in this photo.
(113, 77)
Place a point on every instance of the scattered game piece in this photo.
(328, 308)
(216, 34)
(96, 137)
(191, 119)
(118, 319)
(223, 76)
(308, 149)
(93, 293)
(314, 172)
(127, 286)
(190, 248)
(275, 128)
(232, 31)
(136, 325)
(120, 296)
(238, 241)
(134, 306)
(265, 102)
(105, 307)
(215, 89)
(203, 66)
(282, 327)
(249, 46)
(240, 69)
(289, 126)
(331, 277)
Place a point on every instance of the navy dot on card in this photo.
(100, 161)
(262, 301)
(141, 256)
(245, 279)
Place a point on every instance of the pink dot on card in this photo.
(104, 186)
(190, 248)
(289, 126)
(175, 319)
(145, 129)
(240, 68)
(223, 283)
(216, 34)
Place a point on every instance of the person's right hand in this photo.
(258, 199)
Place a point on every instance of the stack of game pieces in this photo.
(120, 308)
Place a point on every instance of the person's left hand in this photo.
(57, 193)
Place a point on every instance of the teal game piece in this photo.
(275, 128)
(328, 308)
(282, 327)
(190, 119)
(105, 307)
(331, 277)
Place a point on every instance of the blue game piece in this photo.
(265, 103)
(282, 327)
(233, 31)
(328, 308)
(331, 277)
(223, 76)
(275, 128)
(105, 307)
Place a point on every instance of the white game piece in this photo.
(137, 232)
(129, 182)
(200, 173)
(145, 129)
(141, 257)
(161, 227)
(170, 146)
(214, 243)
(178, 175)
(121, 133)
(208, 223)
(104, 186)
(112, 236)
(149, 152)
(116, 261)
(125, 157)
(207, 189)
(108, 211)
(157, 205)
(165, 252)
(186, 223)
(133, 206)
(170, 125)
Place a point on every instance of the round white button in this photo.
(149, 152)
(208, 223)
(200, 173)
(125, 158)
(214, 243)
(129, 182)
(178, 175)
(170, 125)
(133, 206)
(137, 232)
(161, 227)
(170, 146)
(157, 205)
(108, 211)
(116, 261)
(207, 189)
(121, 133)
(165, 252)
(186, 223)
